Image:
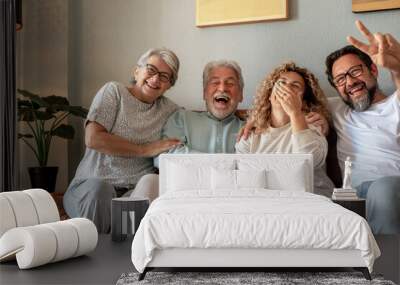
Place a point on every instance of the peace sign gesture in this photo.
(383, 49)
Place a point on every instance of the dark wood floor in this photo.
(111, 259)
(389, 262)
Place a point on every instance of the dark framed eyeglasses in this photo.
(353, 72)
(163, 76)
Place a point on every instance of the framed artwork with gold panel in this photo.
(359, 6)
(226, 12)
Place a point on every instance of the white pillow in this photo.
(293, 180)
(223, 179)
(290, 175)
(226, 179)
(186, 177)
(251, 178)
(193, 174)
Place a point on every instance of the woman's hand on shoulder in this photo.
(245, 131)
(318, 120)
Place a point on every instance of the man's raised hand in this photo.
(383, 49)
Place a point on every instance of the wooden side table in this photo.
(355, 205)
(121, 213)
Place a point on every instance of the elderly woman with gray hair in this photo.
(122, 134)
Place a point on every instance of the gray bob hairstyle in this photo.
(222, 63)
(168, 56)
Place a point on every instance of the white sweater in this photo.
(282, 140)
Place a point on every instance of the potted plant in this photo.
(44, 117)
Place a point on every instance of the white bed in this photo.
(227, 210)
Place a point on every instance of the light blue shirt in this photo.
(201, 132)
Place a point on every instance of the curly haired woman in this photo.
(282, 102)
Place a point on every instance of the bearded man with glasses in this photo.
(367, 123)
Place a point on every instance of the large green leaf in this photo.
(26, 110)
(27, 104)
(43, 115)
(57, 103)
(74, 110)
(78, 111)
(24, 103)
(34, 98)
(64, 131)
(30, 115)
(56, 100)
(25, 115)
(25, 136)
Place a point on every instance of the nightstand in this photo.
(124, 212)
(355, 205)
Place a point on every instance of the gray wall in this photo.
(105, 38)
(42, 64)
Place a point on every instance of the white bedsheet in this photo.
(250, 219)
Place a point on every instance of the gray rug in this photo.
(243, 278)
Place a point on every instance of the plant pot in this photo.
(43, 177)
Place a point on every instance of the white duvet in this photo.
(250, 219)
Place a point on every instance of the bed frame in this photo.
(242, 259)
